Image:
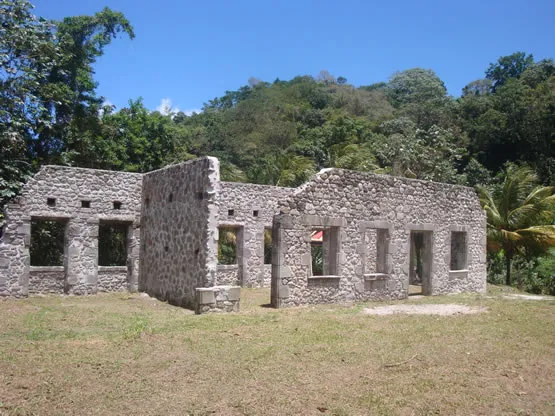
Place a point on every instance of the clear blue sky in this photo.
(192, 51)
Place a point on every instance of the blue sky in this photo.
(189, 52)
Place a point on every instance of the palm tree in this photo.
(282, 168)
(520, 215)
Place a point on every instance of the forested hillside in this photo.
(275, 131)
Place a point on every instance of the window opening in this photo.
(112, 244)
(267, 246)
(458, 251)
(227, 245)
(324, 250)
(47, 242)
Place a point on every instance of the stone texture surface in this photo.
(267, 275)
(69, 186)
(218, 299)
(254, 207)
(228, 275)
(112, 279)
(179, 231)
(356, 202)
(46, 280)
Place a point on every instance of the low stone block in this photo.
(234, 293)
(205, 296)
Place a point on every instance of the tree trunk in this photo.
(508, 275)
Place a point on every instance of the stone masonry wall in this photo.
(228, 274)
(253, 208)
(179, 231)
(69, 187)
(354, 203)
(47, 280)
(112, 279)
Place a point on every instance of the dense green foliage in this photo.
(47, 243)
(112, 244)
(520, 216)
(227, 245)
(278, 132)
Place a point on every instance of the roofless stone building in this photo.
(188, 238)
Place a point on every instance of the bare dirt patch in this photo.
(443, 310)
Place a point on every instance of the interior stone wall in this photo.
(179, 231)
(254, 207)
(68, 186)
(112, 279)
(354, 202)
(228, 274)
(46, 280)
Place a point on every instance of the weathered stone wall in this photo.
(176, 211)
(46, 280)
(354, 203)
(218, 299)
(69, 187)
(179, 231)
(267, 275)
(112, 279)
(252, 208)
(228, 274)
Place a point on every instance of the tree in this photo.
(416, 86)
(538, 73)
(325, 77)
(478, 87)
(283, 169)
(519, 214)
(27, 54)
(68, 93)
(405, 150)
(421, 95)
(253, 81)
(506, 67)
(516, 123)
(341, 80)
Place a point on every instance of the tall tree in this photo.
(506, 67)
(68, 94)
(421, 95)
(520, 215)
(27, 54)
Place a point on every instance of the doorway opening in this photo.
(420, 266)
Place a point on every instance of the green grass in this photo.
(121, 353)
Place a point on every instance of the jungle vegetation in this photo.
(281, 132)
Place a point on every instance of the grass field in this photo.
(130, 354)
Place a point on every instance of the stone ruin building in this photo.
(343, 236)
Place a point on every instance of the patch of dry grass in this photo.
(127, 354)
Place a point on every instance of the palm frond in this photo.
(489, 205)
(541, 193)
(515, 187)
(511, 236)
(544, 234)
